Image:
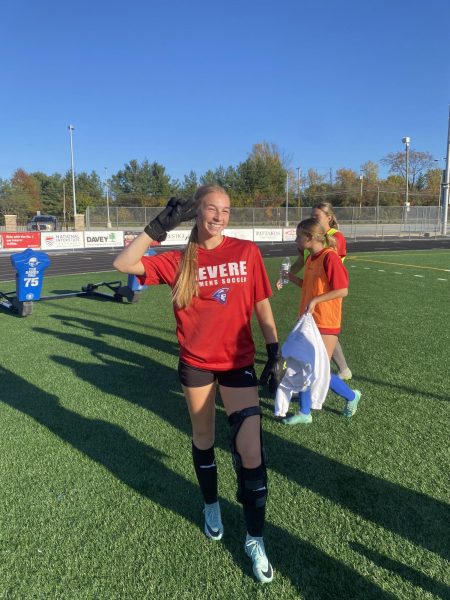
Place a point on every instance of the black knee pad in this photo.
(252, 483)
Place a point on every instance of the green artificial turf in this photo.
(99, 497)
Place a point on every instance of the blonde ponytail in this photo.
(186, 286)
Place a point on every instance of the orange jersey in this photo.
(324, 272)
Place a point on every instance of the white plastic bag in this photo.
(307, 366)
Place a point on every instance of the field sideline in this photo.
(99, 498)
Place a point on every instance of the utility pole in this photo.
(287, 197)
(406, 141)
(108, 220)
(361, 178)
(299, 200)
(64, 202)
(446, 182)
(71, 128)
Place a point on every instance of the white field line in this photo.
(399, 273)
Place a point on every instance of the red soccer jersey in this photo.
(341, 244)
(214, 331)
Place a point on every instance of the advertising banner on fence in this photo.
(20, 241)
(289, 234)
(103, 239)
(62, 240)
(177, 237)
(267, 234)
(242, 234)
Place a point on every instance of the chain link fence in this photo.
(353, 220)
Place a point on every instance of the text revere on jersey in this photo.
(231, 272)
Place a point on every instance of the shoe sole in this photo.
(213, 536)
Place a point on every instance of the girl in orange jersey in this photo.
(323, 212)
(324, 285)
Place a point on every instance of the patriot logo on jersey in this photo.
(221, 295)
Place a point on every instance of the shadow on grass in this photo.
(412, 515)
(140, 466)
(403, 388)
(416, 578)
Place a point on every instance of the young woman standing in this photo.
(217, 283)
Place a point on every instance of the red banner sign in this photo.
(19, 241)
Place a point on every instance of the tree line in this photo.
(263, 179)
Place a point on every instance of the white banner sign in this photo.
(56, 240)
(267, 234)
(242, 234)
(177, 237)
(103, 239)
(289, 234)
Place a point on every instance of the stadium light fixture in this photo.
(71, 128)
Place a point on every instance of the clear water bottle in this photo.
(284, 271)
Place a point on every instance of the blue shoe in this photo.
(262, 569)
(213, 521)
(350, 407)
(298, 419)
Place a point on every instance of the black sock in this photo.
(206, 471)
(255, 516)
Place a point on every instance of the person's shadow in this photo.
(141, 467)
(137, 379)
(440, 590)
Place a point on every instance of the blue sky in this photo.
(193, 85)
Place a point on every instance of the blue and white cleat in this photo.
(213, 521)
(262, 569)
(350, 407)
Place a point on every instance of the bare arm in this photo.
(264, 314)
(296, 266)
(176, 211)
(342, 293)
(129, 260)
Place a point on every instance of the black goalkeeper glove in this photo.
(273, 370)
(176, 211)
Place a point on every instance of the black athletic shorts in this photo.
(236, 378)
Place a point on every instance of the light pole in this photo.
(406, 141)
(361, 178)
(446, 182)
(64, 203)
(299, 201)
(108, 220)
(287, 197)
(71, 128)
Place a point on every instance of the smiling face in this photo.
(213, 215)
